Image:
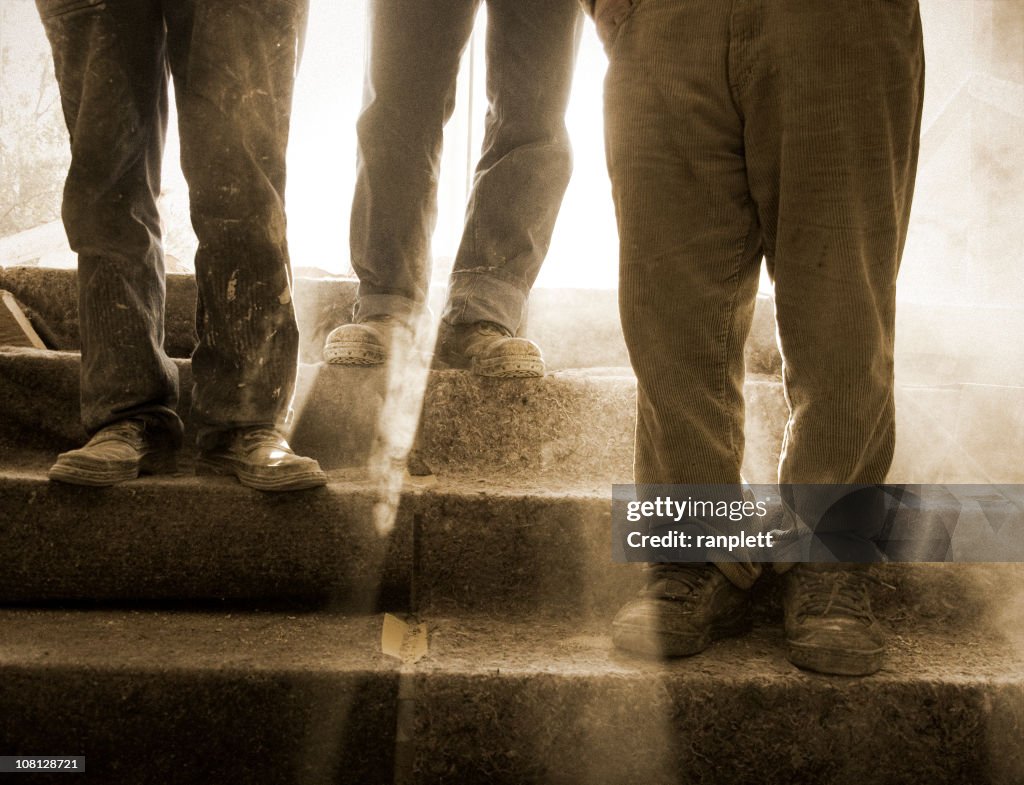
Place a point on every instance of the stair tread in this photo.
(462, 543)
(31, 465)
(469, 645)
(570, 427)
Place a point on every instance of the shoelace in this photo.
(130, 431)
(257, 436)
(837, 592)
(491, 328)
(675, 581)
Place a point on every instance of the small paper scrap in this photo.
(403, 641)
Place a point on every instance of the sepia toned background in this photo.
(502, 553)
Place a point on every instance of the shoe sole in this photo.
(298, 481)
(354, 353)
(836, 662)
(642, 639)
(493, 368)
(499, 368)
(86, 473)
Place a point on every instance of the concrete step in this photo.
(573, 426)
(567, 425)
(202, 698)
(936, 344)
(453, 546)
(577, 328)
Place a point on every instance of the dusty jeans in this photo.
(233, 63)
(522, 173)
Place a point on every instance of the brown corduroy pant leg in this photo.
(786, 130)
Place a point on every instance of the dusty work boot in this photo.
(121, 451)
(681, 610)
(829, 624)
(260, 458)
(364, 343)
(488, 349)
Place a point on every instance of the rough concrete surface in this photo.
(51, 295)
(503, 554)
(567, 425)
(179, 538)
(573, 424)
(39, 398)
(576, 328)
(160, 698)
(456, 546)
(308, 698)
(579, 328)
(738, 713)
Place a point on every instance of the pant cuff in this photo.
(209, 436)
(162, 417)
(741, 575)
(395, 305)
(479, 297)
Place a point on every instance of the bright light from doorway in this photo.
(323, 149)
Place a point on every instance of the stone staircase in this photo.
(173, 629)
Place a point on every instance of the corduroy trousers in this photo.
(786, 130)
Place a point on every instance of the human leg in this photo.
(833, 101)
(520, 181)
(234, 66)
(525, 164)
(689, 260)
(109, 64)
(415, 49)
(833, 126)
(689, 239)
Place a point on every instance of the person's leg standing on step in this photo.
(110, 68)
(832, 94)
(520, 179)
(689, 256)
(735, 130)
(111, 62)
(234, 65)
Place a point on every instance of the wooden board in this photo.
(15, 328)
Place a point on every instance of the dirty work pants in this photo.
(783, 129)
(233, 63)
(520, 178)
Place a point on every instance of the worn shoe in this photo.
(829, 624)
(488, 349)
(121, 451)
(362, 344)
(261, 458)
(683, 608)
